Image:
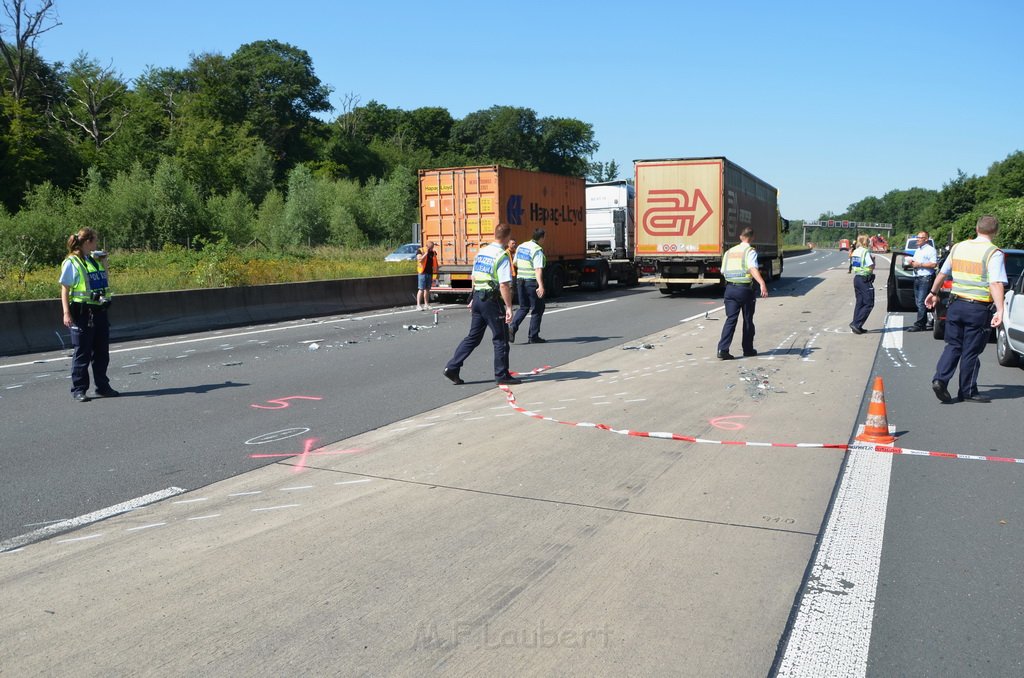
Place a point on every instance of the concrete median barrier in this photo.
(31, 326)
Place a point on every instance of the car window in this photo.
(1014, 266)
(408, 249)
(899, 264)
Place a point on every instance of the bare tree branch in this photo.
(28, 25)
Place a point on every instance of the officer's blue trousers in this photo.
(485, 313)
(90, 337)
(738, 299)
(528, 301)
(864, 290)
(967, 330)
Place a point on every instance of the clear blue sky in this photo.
(829, 101)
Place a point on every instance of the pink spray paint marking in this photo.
(282, 402)
(725, 425)
(307, 452)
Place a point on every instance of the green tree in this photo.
(178, 213)
(603, 171)
(499, 134)
(93, 109)
(17, 42)
(1006, 177)
(306, 210)
(566, 145)
(232, 217)
(271, 227)
(390, 206)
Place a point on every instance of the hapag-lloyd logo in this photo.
(674, 213)
(538, 213)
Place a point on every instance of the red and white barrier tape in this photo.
(665, 435)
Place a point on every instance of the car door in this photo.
(900, 286)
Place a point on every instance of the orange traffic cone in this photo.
(876, 428)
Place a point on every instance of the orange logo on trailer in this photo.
(675, 213)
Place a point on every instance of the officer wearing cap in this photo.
(978, 270)
(740, 270)
(491, 307)
(530, 287)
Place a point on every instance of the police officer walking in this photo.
(863, 266)
(530, 287)
(978, 270)
(740, 270)
(84, 298)
(924, 263)
(491, 308)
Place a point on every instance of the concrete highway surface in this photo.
(314, 498)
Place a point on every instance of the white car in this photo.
(1010, 334)
(406, 252)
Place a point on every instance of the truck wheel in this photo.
(602, 277)
(782, 265)
(664, 290)
(557, 281)
(1006, 356)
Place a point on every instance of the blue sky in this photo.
(828, 101)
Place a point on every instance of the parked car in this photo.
(844, 244)
(900, 287)
(1010, 334)
(1014, 267)
(912, 244)
(406, 252)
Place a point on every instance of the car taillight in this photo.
(714, 269)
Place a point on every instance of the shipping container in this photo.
(461, 206)
(691, 210)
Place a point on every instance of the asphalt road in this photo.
(195, 408)
(710, 596)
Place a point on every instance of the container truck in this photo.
(611, 234)
(461, 206)
(691, 210)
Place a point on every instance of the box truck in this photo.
(691, 210)
(461, 206)
(611, 234)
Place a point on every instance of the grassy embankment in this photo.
(215, 266)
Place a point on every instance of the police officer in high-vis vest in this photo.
(740, 270)
(491, 308)
(530, 287)
(978, 270)
(862, 265)
(84, 297)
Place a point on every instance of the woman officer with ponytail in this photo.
(84, 297)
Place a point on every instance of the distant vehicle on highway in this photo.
(912, 244)
(844, 244)
(1010, 334)
(1014, 267)
(406, 252)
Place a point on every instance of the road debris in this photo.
(758, 381)
(640, 347)
(314, 346)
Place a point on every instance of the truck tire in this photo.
(556, 282)
(602, 276)
(782, 265)
(1006, 356)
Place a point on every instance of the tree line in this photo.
(953, 211)
(230, 148)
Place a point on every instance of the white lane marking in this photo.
(353, 482)
(297, 487)
(832, 631)
(212, 515)
(190, 501)
(219, 335)
(274, 508)
(893, 332)
(144, 527)
(702, 315)
(573, 308)
(68, 541)
(88, 518)
(245, 494)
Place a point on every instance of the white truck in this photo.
(611, 233)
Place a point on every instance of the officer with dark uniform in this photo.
(84, 297)
(530, 287)
(978, 270)
(862, 264)
(740, 270)
(491, 308)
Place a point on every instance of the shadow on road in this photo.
(202, 388)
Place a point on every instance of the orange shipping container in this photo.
(461, 206)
